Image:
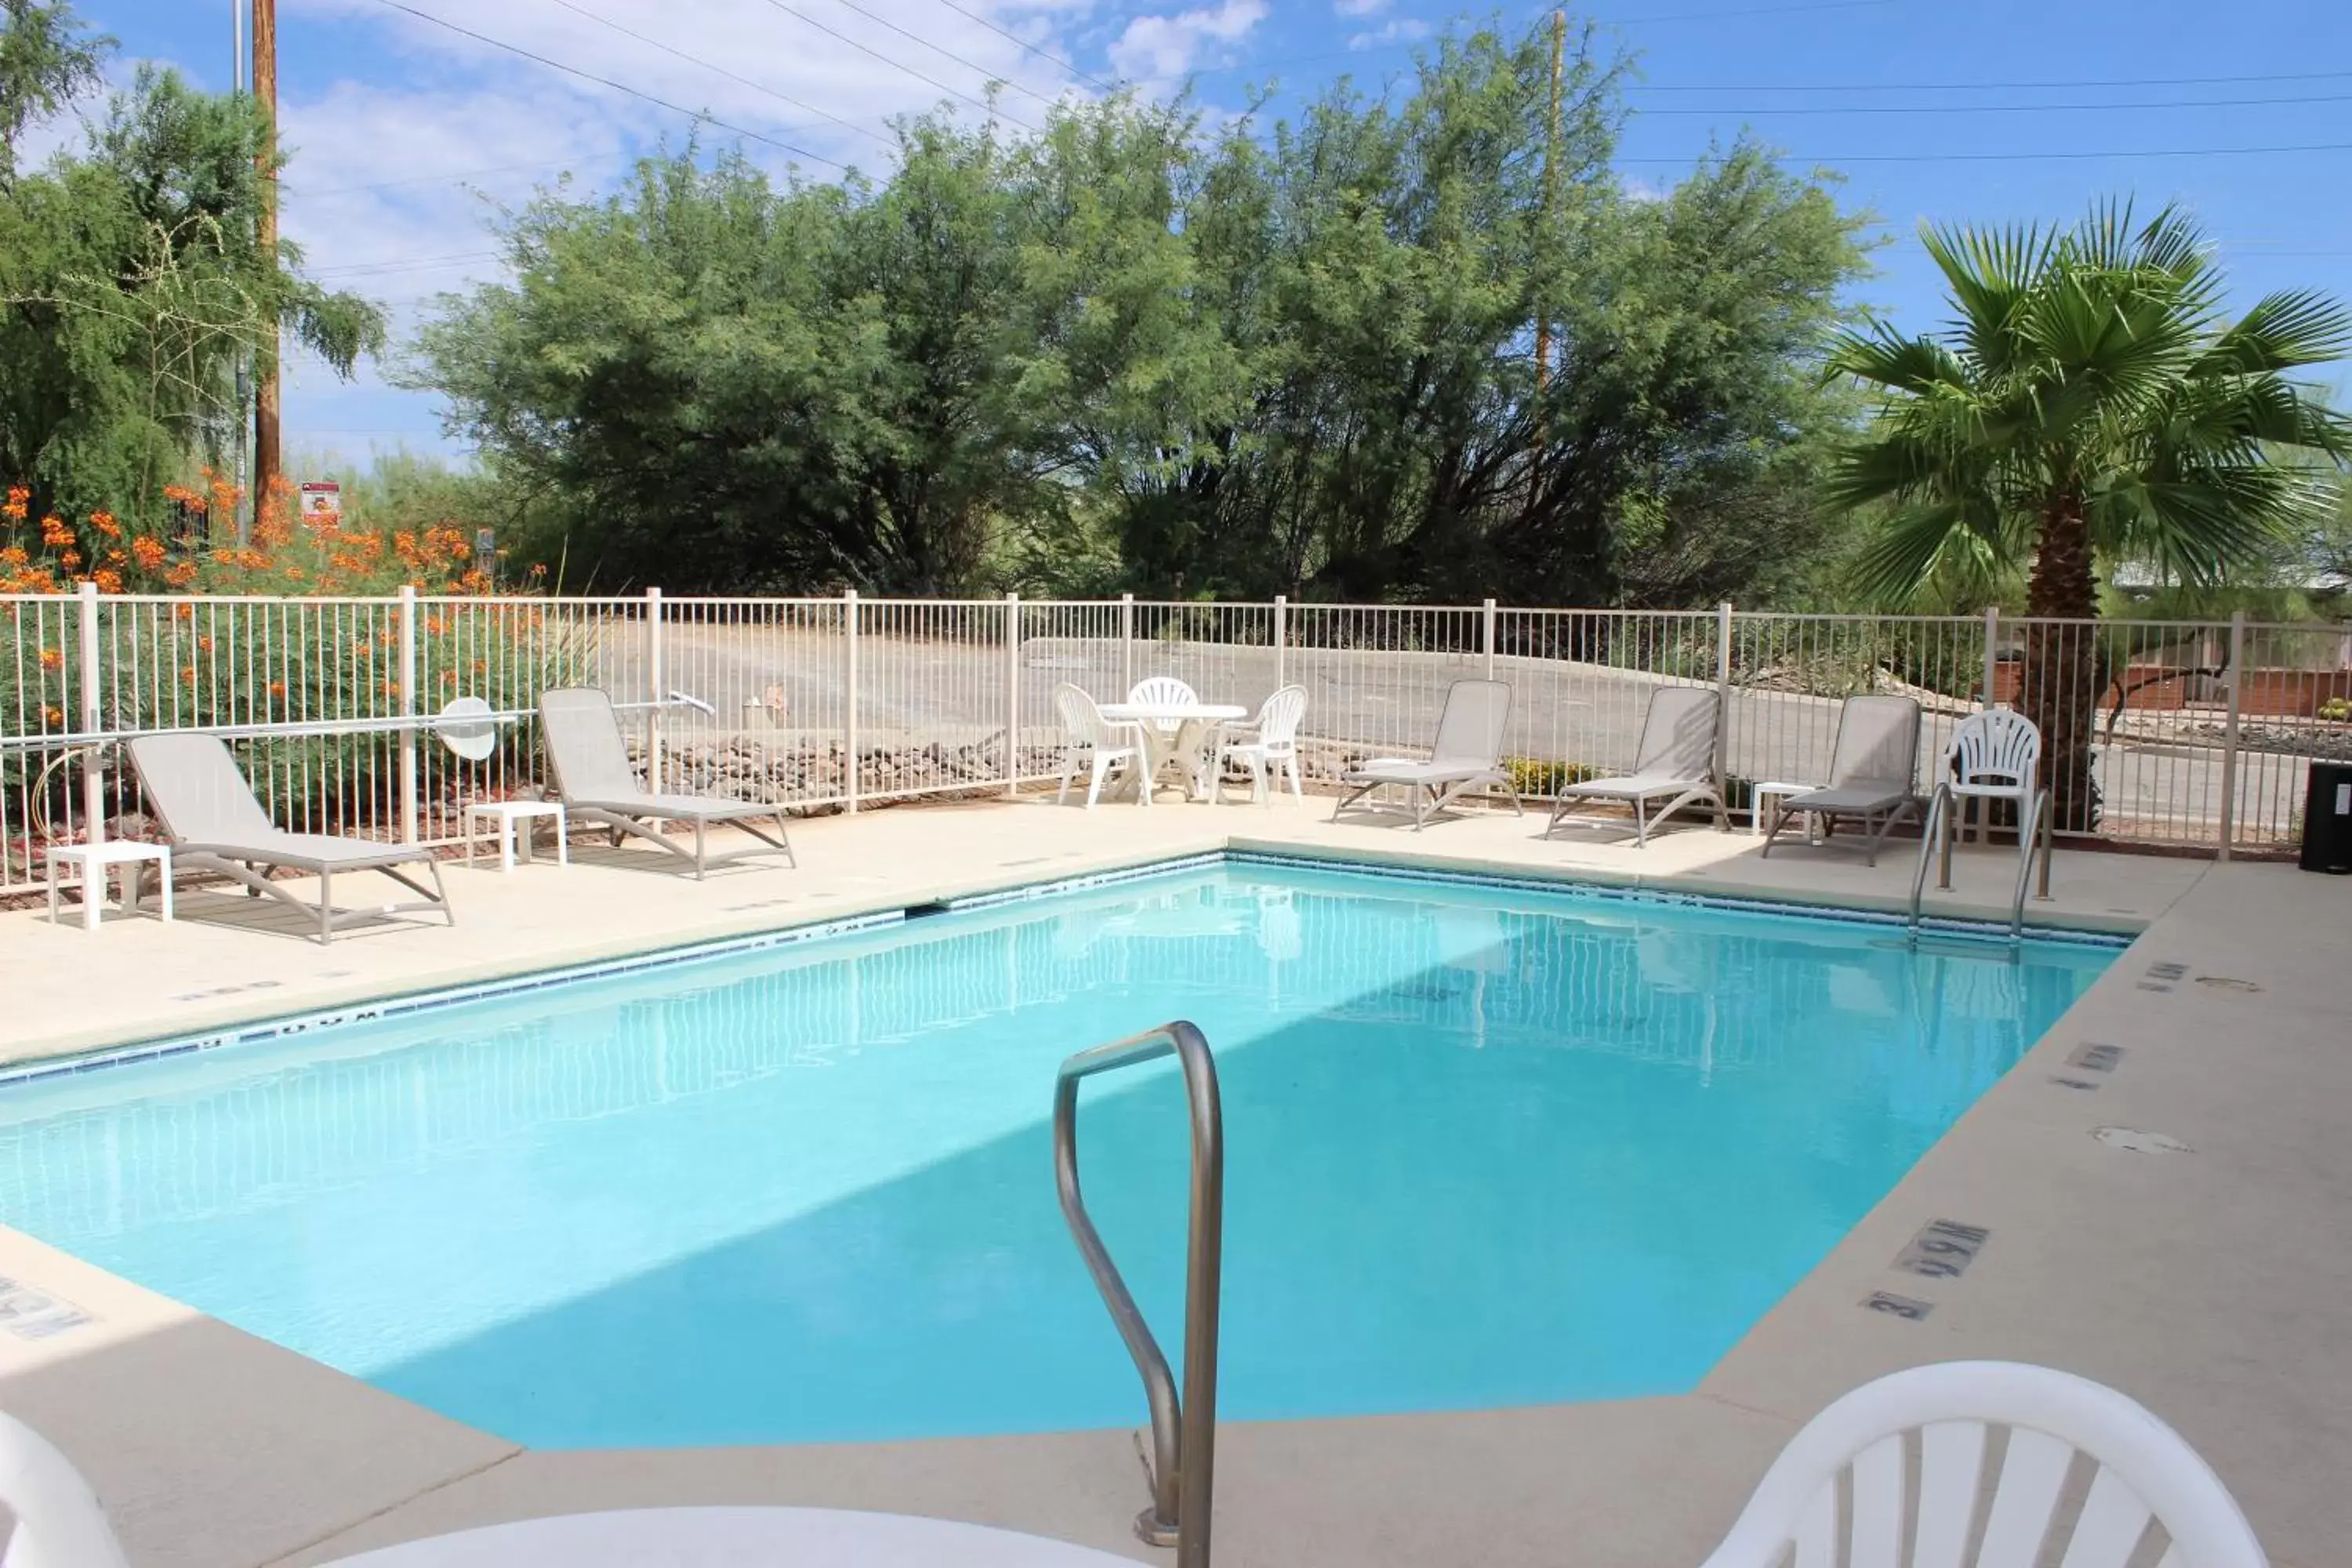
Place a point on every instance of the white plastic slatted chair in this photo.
(2147, 1476)
(1103, 745)
(1996, 755)
(1163, 691)
(58, 1522)
(1272, 743)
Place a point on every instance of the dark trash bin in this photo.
(2327, 819)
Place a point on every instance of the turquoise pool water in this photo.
(1485, 1147)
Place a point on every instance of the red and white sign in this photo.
(321, 498)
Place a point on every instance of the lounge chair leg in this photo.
(326, 908)
(700, 864)
(1640, 827)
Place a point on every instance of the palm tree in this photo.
(2090, 400)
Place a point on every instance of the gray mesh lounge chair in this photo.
(1674, 762)
(589, 764)
(1467, 754)
(1873, 772)
(215, 823)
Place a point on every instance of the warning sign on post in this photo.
(322, 499)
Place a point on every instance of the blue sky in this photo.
(405, 132)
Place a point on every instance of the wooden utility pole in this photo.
(1550, 194)
(264, 393)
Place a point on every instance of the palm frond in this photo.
(1923, 544)
(1882, 358)
(2284, 332)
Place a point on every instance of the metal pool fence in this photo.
(2199, 733)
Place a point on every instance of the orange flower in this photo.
(188, 673)
(448, 678)
(55, 718)
(55, 533)
(20, 501)
(70, 559)
(148, 552)
(205, 644)
(104, 523)
(14, 556)
(277, 688)
(183, 612)
(180, 576)
(108, 581)
(53, 659)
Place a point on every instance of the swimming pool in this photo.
(1485, 1146)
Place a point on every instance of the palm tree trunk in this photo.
(2062, 663)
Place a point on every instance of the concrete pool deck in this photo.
(2209, 1284)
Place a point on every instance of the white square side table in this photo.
(1766, 794)
(95, 860)
(507, 814)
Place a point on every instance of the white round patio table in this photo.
(1177, 731)
(734, 1537)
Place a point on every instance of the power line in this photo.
(1041, 54)
(722, 71)
(695, 115)
(1402, 43)
(2012, 107)
(889, 60)
(950, 54)
(404, 264)
(2000, 85)
(2035, 157)
(416, 180)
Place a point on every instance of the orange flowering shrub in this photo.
(310, 654)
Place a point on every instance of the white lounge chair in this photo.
(1873, 772)
(1093, 742)
(1674, 762)
(2146, 1475)
(1265, 743)
(214, 823)
(1466, 754)
(588, 762)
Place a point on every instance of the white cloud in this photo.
(1402, 30)
(1360, 7)
(1154, 48)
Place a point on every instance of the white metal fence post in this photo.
(1992, 657)
(1012, 695)
(654, 675)
(408, 802)
(1722, 695)
(1281, 639)
(2230, 734)
(1125, 644)
(849, 699)
(1487, 637)
(93, 784)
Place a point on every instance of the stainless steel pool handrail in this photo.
(2035, 832)
(1183, 1435)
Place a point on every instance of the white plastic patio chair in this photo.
(1995, 755)
(1271, 741)
(1103, 745)
(2146, 1475)
(58, 1522)
(1163, 691)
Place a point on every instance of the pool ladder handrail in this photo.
(1183, 1434)
(1936, 841)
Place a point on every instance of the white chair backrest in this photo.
(1998, 746)
(194, 789)
(58, 1522)
(1678, 736)
(1470, 728)
(1163, 690)
(1277, 720)
(1082, 721)
(586, 753)
(2144, 1474)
